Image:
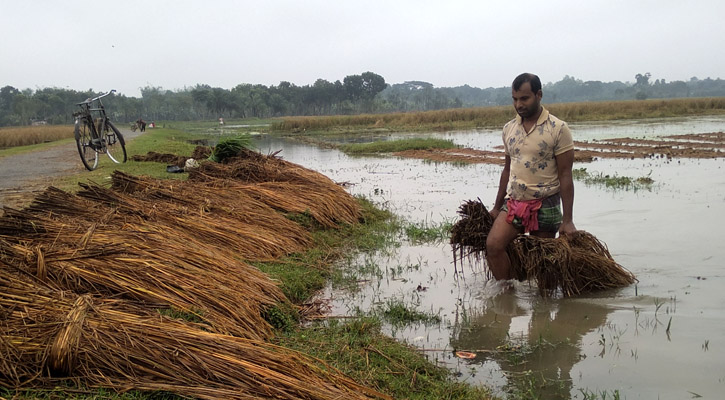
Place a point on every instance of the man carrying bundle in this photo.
(536, 191)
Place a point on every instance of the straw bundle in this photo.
(46, 336)
(143, 264)
(268, 238)
(253, 167)
(326, 206)
(223, 202)
(282, 185)
(574, 264)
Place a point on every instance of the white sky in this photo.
(129, 44)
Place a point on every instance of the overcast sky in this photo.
(129, 44)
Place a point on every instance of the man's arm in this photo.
(502, 184)
(564, 163)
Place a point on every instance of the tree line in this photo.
(364, 93)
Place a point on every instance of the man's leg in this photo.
(501, 234)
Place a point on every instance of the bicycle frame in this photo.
(87, 111)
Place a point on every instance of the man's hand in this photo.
(566, 228)
(494, 213)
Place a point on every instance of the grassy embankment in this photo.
(495, 117)
(356, 347)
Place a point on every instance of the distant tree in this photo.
(642, 80)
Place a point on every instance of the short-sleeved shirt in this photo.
(533, 173)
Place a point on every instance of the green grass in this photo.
(191, 316)
(361, 351)
(613, 181)
(397, 313)
(490, 117)
(158, 139)
(231, 127)
(392, 146)
(425, 232)
(302, 275)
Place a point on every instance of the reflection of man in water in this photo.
(536, 179)
(554, 335)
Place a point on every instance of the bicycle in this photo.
(97, 136)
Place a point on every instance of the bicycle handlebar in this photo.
(89, 100)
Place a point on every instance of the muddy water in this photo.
(662, 338)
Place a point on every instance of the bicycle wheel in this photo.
(89, 155)
(115, 145)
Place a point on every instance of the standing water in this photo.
(663, 338)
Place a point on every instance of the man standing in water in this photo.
(536, 191)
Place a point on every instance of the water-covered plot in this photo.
(654, 339)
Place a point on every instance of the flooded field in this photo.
(663, 338)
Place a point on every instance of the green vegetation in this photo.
(359, 93)
(490, 117)
(600, 395)
(361, 351)
(613, 181)
(398, 314)
(424, 232)
(191, 316)
(160, 140)
(302, 275)
(392, 146)
(230, 147)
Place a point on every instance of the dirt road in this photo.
(22, 175)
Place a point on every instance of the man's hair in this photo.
(533, 80)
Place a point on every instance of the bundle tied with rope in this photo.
(574, 263)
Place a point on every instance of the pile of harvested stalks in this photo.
(574, 264)
(86, 277)
(143, 263)
(48, 336)
(281, 185)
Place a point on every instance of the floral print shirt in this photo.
(534, 173)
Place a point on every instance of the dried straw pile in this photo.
(48, 335)
(140, 262)
(81, 277)
(574, 263)
(281, 185)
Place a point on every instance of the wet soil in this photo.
(704, 145)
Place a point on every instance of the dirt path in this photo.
(22, 175)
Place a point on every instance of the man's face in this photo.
(526, 102)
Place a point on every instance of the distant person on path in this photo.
(221, 121)
(141, 124)
(536, 190)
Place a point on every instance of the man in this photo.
(536, 191)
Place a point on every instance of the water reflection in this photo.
(539, 340)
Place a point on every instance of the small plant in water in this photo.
(398, 313)
(425, 232)
(613, 181)
(602, 395)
